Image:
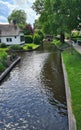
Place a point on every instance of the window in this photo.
(9, 39)
(0, 40)
(22, 38)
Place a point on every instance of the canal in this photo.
(32, 97)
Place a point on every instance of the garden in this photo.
(7, 55)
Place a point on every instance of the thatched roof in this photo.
(9, 30)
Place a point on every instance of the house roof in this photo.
(9, 30)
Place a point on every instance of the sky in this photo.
(6, 7)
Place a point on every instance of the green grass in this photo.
(73, 67)
(58, 43)
(4, 49)
(30, 46)
(3, 59)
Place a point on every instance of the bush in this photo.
(12, 56)
(16, 47)
(75, 34)
(40, 34)
(3, 45)
(2, 67)
(56, 42)
(28, 38)
(3, 55)
(37, 39)
(3, 61)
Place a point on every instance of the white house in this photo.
(11, 34)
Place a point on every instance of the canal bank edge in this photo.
(71, 118)
(3, 75)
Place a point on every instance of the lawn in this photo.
(73, 66)
(4, 49)
(30, 46)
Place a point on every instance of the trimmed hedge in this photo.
(3, 45)
(28, 39)
(16, 47)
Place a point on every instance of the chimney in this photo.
(15, 24)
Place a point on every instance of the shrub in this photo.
(3, 45)
(40, 34)
(28, 38)
(3, 55)
(36, 39)
(2, 67)
(3, 61)
(75, 34)
(16, 47)
(56, 42)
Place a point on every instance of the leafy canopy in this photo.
(17, 16)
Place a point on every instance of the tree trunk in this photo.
(62, 37)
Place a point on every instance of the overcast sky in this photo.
(6, 7)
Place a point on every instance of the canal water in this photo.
(32, 97)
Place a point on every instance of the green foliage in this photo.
(58, 16)
(16, 47)
(37, 24)
(3, 55)
(38, 6)
(3, 61)
(17, 16)
(37, 38)
(30, 47)
(28, 38)
(2, 67)
(75, 34)
(40, 34)
(3, 45)
(13, 56)
(56, 42)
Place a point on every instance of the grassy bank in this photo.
(30, 46)
(25, 47)
(72, 61)
(73, 66)
(3, 61)
(59, 44)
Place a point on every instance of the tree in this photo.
(38, 6)
(59, 16)
(28, 29)
(17, 16)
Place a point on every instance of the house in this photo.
(11, 34)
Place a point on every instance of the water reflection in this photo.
(33, 97)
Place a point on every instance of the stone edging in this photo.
(71, 118)
(3, 75)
